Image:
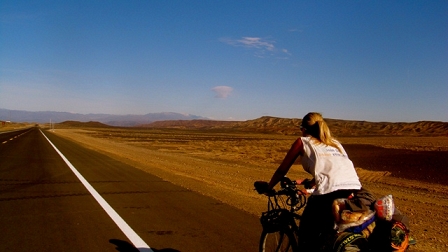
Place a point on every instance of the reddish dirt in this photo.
(427, 166)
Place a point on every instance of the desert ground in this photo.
(13, 126)
(224, 165)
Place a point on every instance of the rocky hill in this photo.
(291, 126)
(76, 124)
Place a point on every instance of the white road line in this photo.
(125, 228)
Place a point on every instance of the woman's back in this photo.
(330, 166)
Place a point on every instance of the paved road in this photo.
(45, 207)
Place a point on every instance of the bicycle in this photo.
(281, 221)
(281, 225)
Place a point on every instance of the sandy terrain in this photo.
(13, 126)
(225, 165)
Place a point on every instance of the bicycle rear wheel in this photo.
(280, 241)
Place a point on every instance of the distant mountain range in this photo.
(290, 126)
(113, 120)
(265, 124)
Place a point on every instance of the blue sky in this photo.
(239, 60)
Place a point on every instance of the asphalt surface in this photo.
(45, 207)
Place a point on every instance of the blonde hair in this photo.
(315, 126)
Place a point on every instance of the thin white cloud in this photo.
(222, 92)
(261, 46)
(299, 28)
(251, 42)
(257, 43)
(286, 51)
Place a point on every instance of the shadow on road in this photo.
(124, 246)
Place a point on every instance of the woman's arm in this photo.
(295, 150)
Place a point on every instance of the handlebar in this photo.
(295, 197)
(287, 186)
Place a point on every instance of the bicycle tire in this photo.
(279, 241)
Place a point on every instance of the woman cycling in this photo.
(334, 176)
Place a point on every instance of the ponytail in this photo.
(315, 126)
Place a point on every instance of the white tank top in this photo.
(331, 169)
